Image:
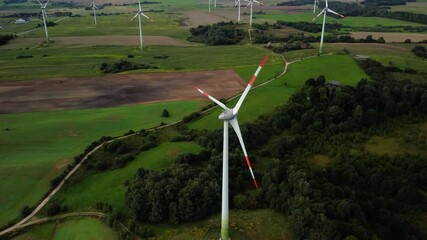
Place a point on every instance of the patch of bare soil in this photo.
(115, 90)
(392, 37)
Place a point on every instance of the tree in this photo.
(165, 113)
(26, 210)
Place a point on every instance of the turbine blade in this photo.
(249, 86)
(235, 124)
(329, 10)
(255, 1)
(136, 15)
(40, 3)
(146, 16)
(139, 4)
(248, 4)
(318, 15)
(211, 98)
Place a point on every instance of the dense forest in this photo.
(358, 196)
(222, 33)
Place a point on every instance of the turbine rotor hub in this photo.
(227, 115)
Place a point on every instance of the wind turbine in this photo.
(210, 5)
(94, 7)
(237, 2)
(324, 11)
(230, 116)
(316, 3)
(251, 2)
(43, 8)
(138, 14)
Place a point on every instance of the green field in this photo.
(335, 67)
(411, 7)
(76, 229)
(347, 21)
(86, 61)
(39, 145)
(250, 225)
(109, 186)
(398, 54)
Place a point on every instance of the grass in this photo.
(75, 229)
(250, 225)
(399, 54)
(87, 60)
(109, 186)
(347, 21)
(84, 229)
(43, 231)
(336, 67)
(320, 160)
(379, 145)
(39, 145)
(411, 7)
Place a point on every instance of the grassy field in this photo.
(413, 7)
(398, 54)
(76, 229)
(347, 21)
(39, 145)
(249, 225)
(109, 186)
(87, 60)
(336, 67)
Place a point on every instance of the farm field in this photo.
(413, 7)
(110, 186)
(265, 99)
(87, 60)
(73, 229)
(399, 54)
(347, 21)
(392, 37)
(33, 152)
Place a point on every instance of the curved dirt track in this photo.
(114, 90)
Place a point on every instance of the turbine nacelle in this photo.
(227, 115)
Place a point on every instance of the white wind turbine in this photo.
(237, 3)
(316, 3)
(94, 7)
(138, 14)
(230, 116)
(324, 11)
(43, 8)
(251, 2)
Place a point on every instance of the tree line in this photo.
(4, 39)
(222, 33)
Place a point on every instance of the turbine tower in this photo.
(324, 11)
(230, 116)
(138, 14)
(316, 3)
(237, 2)
(210, 5)
(43, 8)
(94, 7)
(251, 2)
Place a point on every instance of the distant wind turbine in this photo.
(43, 8)
(237, 3)
(324, 11)
(94, 7)
(250, 3)
(230, 116)
(316, 3)
(138, 14)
